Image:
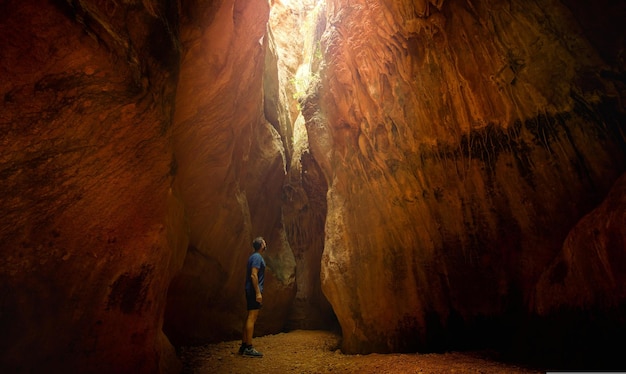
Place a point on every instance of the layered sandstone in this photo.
(85, 164)
(231, 167)
(424, 170)
(460, 142)
(289, 60)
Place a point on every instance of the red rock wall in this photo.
(87, 98)
(460, 142)
(453, 146)
(578, 304)
(230, 171)
(303, 201)
(590, 270)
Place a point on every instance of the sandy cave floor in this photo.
(305, 351)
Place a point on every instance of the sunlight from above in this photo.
(299, 4)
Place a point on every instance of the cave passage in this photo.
(429, 175)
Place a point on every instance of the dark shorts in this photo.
(251, 302)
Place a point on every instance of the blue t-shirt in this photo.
(255, 261)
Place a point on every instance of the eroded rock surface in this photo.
(231, 170)
(85, 167)
(590, 270)
(425, 164)
(460, 142)
(291, 55)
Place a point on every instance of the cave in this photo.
(430, 175)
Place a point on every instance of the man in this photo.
(255, 277)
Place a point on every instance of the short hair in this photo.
(257, 243)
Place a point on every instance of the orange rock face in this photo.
(425, 172)
(460, 142)
(304, 194)
(230, 173)
(86, 165)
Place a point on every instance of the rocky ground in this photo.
(318, 352)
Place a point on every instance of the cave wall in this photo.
(450, 160)
(591, 268)
(289, 58)
(461, 142)
(85, 168)
(231, 166)
(579, 299)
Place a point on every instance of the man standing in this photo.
(255, 276)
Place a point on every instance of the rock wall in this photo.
(231, 167)
(590, 269)
(460, 142)
(85, 168)
(442, 156)
(582, 291)
(289, 59)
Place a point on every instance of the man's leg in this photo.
(246, 345)
(249, 326)
(244, 332)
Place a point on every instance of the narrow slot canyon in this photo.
(430, 176)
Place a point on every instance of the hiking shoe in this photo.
(251, 352)
(242, 348)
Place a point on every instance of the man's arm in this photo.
(255, 283)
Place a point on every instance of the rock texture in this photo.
(590, 269)
(289, 59)
(582, 291)
(432, 174)
(85, 166)
(231, 168)
(460, 142)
